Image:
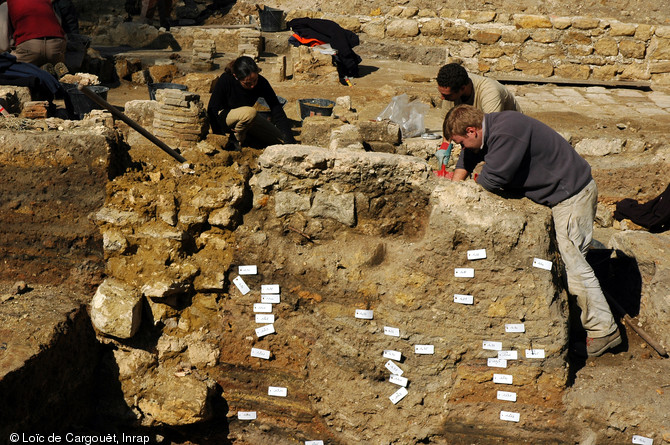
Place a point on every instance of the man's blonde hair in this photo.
(459, 118)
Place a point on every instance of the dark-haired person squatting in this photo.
(231, 107)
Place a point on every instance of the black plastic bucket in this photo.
(263, 109)
(315, 107)
(153, 87)
(77, 103)
(272, 19)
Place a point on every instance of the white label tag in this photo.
(507, 396)
(314, 442)
(496, 363)
(269, 288)
(393, 332)
(265, 318)
(247, 270)
(424, 349)
(518, 327)
(246, 415)
(492, 345)
(270, 298)
(260, 353)
(476, 254)
(393, 355)
(241, 285)
(534, 353)
(464, 272)
(393, 368)
(364, 314)
(398, 395)
(265, 330)
(541, 264)
(641, 440)
(464, 299)
(277, 391)
(510, 416)
(262, 307)
(396, 379)
(508, 355)
(505, 379)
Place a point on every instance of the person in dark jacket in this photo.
(231, 107)
(524, 156)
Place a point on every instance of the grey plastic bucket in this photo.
(272, 19)
(79, 104)
(153, 87)
(315, 107)
(263, 109)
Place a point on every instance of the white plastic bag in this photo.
(409, 115)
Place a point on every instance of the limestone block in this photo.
(421, 148)
(635, 145)
(491, 51)
(210, 198)
(316, 130)
(176, 401)
(635, 71)
(472, 16)
(381, 131)
(545, 35)
(203, 354)
(504, 65)
(663, 31)
(402, 28)
(449, 13)
(198, 82)
(539, 51)
(580, 51)
(603, 216)
(350, 23)
(165, 285)
(659, 49)
(573, 37)
(659, 67)
(644, 32)
(432, 27)
(632, 49)
(287, 202)
(346, 137)
(226, 217)
(459, 33)
(375, 28)
(162, 73)
(515, 36)
(116, 309)
(572, 71)
(585, 22)
(661, 79)
(535, 68)
(425, 13)
(466, 50)
(599, 147)
(395, 11)
(382, 147)
(339, 207)
(531, 21)
(135, 35)
(607, 46)
(161, 311)
(117, 217)
(113, 241)
(312, 66)
(561, 22)
(408, 12)
(622, 29)
(486, 36)
(141, 111)
(133, 362)
(594, 60)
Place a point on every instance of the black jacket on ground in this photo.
(653, 215)
(342, 40)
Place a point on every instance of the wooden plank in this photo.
(560, 81)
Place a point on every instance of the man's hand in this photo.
(460, 174)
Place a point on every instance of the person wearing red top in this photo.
(38, 35)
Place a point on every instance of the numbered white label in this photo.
(314, 442)
(241, 285)
(641, 440)
(492, 345)
(397, 380)
(534, 353)
(507, 396)
(541, 264)
(363, 314)
(262, 307)
(505, 379)
(424, 349)
(270, 298)
(393, 368)
(246, 415)
(260, 353)
(515, 327)
(393, 355)
(398, 395)
(464, 272)
(508, 355)
(277, 391)
(496, 363)
(476, 254)
(265, 318)
(393, 332)
(510, 416)
(269, 288)
(265, 330)
(247, 270)
(464, 299)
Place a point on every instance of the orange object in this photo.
(443, 173)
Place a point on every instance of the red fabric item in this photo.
(307, 41)
(33, 19)
(443, 173)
